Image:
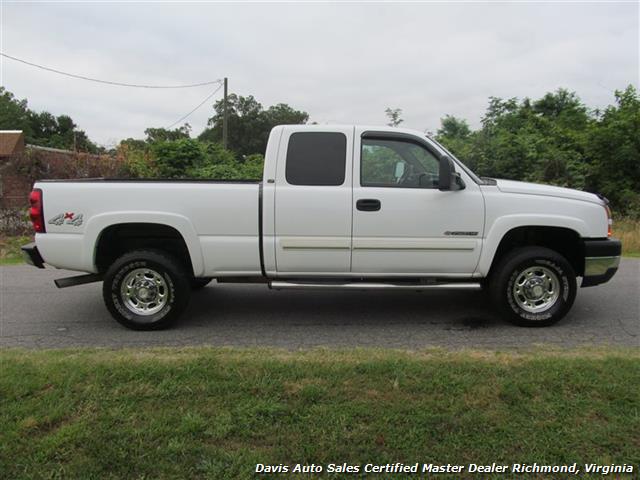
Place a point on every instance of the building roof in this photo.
(11, 142)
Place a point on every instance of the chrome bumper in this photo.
(599, 265)
(601, 261)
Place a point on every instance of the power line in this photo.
(119, 84)
(199, 105)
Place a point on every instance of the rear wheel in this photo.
(146, 290)
(533, 286)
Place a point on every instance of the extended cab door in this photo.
(313, 195)
(402, 224)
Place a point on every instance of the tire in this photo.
(533, 286)
(158, 285)
(200, 283)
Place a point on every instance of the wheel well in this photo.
(117, 240)
(565, 241)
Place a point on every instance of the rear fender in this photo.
(96, 225)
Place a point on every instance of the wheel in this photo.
(199, 283)
(533, 286)
(146, 290)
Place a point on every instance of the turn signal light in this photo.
(609, 221)
(36, 211)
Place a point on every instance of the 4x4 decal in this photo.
(67, 218)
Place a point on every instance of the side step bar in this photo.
(279, 285)
(77, 280)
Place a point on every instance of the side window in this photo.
(316, 158)
(397, 163)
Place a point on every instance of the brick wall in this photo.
(18, 172)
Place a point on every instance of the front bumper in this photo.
(32, 255)
(601, 260)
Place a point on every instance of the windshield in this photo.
(467, 170)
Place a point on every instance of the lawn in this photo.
(215, 413)
(628, 231)
(10, 252)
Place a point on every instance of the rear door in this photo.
(313, 198)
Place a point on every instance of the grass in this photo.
(628, 231)
(215, 413)
(10, 253)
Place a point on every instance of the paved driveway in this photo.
(35, 314)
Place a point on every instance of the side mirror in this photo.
(445, 174)
(449, 179)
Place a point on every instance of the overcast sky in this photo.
(340, 62)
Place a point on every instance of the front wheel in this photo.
(146, 290)
(533, 286)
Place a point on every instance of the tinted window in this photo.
(316, 158)
(397, 163)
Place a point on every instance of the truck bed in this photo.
(146, 180)
(217, 218)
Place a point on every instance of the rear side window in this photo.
(316, 158)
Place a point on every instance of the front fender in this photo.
(504, 224)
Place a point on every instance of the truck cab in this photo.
(362, 201)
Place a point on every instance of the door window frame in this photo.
(398, 137)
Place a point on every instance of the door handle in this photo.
(368, 205)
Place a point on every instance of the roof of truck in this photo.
(363, 127)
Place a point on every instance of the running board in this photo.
(77, 280)
(278, 285)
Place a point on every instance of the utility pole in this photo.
(225, 117)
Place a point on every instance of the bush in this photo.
(175, 158)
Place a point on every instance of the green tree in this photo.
(393, 114)
(249, 123)
(42, 128)
(456, 135)
(163, 134)
(613, 149)
(557, 140)
(174, 158)
(14, 114)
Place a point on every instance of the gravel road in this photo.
(35, 314)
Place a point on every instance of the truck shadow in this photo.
(256, 304)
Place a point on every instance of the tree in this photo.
(613, 150)
(42, 128)
(557, 140)
(453, 127)
(456, 135)
(249, 123)
(163, 134)
(14, 114)
(394, 116)
(174, 158)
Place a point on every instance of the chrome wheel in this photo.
(144, 291)
(536, 289)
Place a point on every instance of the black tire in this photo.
(171, 280)
(519, 278)
(200, 283)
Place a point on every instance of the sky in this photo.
(340, 62)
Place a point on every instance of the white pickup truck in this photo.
(339, 207)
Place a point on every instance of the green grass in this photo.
(10, 253)
(215, 413)
(628, 231)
